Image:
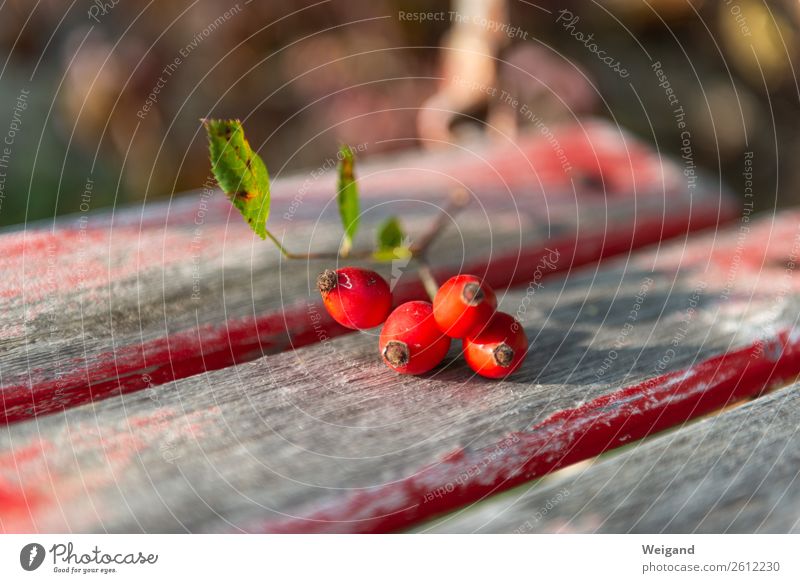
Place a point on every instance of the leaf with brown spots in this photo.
(239, 171)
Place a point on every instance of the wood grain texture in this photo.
(108, 303)
(325, 438)
(734, 472)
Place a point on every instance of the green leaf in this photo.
(391, 243)
(240, 172)
(390, 234)
(348, 197)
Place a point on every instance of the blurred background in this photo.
(106, 96)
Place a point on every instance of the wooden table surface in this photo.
(163, 370)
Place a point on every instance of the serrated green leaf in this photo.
(391, 241)
(240, 172)
(348, 197)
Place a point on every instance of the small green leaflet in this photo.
(239, 171)
(391, 243)
(347, 197)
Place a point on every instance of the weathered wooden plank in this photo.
(103, 304)
(734, 472)
(325, 438)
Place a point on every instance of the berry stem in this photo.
(289, 255)
(419, 250)
(425, 274)
(284, 251)
(458, 200)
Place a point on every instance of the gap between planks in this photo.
(266, 446)
(735, 472)
(476, 512)
(131, 324)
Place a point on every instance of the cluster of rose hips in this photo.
(416, 335)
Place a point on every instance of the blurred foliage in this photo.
(116, 99)
(304, 78)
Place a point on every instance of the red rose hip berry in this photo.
(497, 350)
(356, 298)
(411, 342)
(463, 305)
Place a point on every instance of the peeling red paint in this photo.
(212, 347)
(17, 508)
(564, 438)
(39, 264)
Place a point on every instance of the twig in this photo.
(457, 201)
(289, 255)
(419, 250)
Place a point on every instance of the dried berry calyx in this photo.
(472, 294)
(498, 349)
(411, 342)
(326, 281)
(357, 298)
(396, 353)
(463, 305)
(504, 355)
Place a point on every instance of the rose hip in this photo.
(497, 350)
(463, 305)
(411, 342)
(356, 298)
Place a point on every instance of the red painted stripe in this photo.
(213, 347)
(564, 438)
(531, 167)
(596, 152)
